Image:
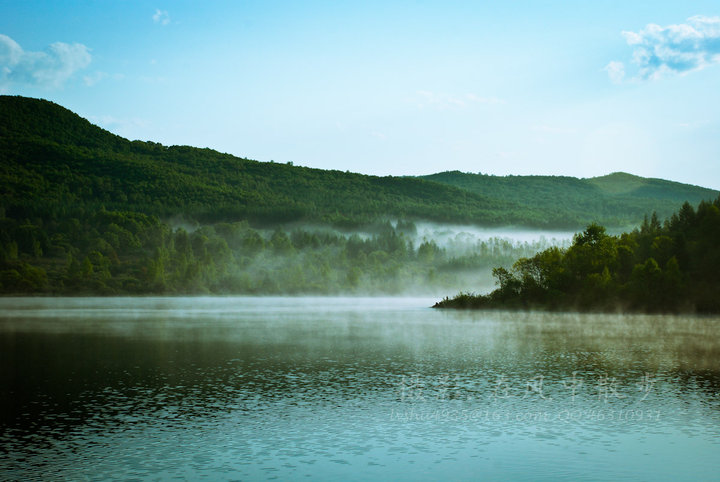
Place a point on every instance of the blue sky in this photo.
(563, 88)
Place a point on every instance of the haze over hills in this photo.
(52, 161)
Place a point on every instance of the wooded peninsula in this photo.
(673, 267)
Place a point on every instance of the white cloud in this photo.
(161, 16)
(10, 51)
(680, 48)
(50, 68)
(616, 71)
(92, 79)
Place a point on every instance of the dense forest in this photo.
(618, 200)
(54, 164)
(84, 211)
(668, 267)
(112, 252)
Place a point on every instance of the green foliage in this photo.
(115, 252)
(618, 200)
(673, 267)
(86, 211)
(54, 164)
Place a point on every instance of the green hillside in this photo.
(83, 211)
(627, 186)
(53, 162)
(616, 200)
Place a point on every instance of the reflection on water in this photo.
(251, 388)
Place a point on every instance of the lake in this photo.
(352, 389)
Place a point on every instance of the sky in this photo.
(389, 88)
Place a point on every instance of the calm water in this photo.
(352, 389)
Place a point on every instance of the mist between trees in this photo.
(112, 252)
(669, 267)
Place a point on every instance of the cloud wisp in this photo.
(161, 17)
(675, 49)
(96, 77)
(50, 68)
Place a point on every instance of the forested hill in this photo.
(616, 200)
(85, 211)
(55, 164)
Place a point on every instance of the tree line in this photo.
(115, 252)
(668, 267)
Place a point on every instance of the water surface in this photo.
(351, 388)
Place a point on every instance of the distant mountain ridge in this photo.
(53, 163)
(622, 183)
(618, 199)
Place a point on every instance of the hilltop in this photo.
(617, 200)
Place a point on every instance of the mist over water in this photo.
(351, 388)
